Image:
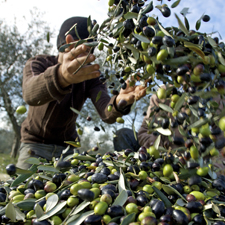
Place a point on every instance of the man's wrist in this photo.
(62, 81)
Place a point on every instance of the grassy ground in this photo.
(5, 159)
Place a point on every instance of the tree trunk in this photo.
(16, 127)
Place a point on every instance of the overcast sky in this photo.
(58, 11)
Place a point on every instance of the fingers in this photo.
(87, 73)
(69, 39)
(81, 62)
(141, 94)
(78, 51)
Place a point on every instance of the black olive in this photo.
(165, 11)
(206, 18)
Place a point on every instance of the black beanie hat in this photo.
(67, 24)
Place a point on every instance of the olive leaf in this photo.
(175, 191)
(216, 209)
(19, 215)
(91, 44)
(141, 38)
(85, 158)
(53, 211)
(104, 24)
(121, 182)
(175, 4)
(39, 211)
(2, 211)
(134, 50)
(134, 131)
(195, 48)
(185, 174)
(33, 160)
(165, 180)
(80, 207)
(162, 197)
(115, 219)
(181, 25)
(184, 11)
(118, 26)
(133, 105)
(48, 168)
(157, 142)
(104, 41)
(179, 60)
(70, 219)
(128, 219)
(89, 26)
(148, 8)
(130, 15)
(81, 218)
(74, 144)
(21, 171)
(180, 202)
(198, 24)
(102, 127)
(77, 112)
(130, 174)
(51, 202)
(27, 204)
(10, 212)
(166, 132)
(221, 59)
(95, 29)
(212, 174)
(212, 42)
(186, 23)
(131, 155)
(182, 132)
(164, 30)
(80, 42)
(121, 198)
(44, 177)
(199, 123)
(98, 96)
(180, 102)
(134, 61)
(48, 37)
(23, 177)
(165, 108)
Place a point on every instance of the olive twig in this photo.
(83, 62)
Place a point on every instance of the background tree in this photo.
(15, 49)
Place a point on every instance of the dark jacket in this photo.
(50, 119)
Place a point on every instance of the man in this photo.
(54, 84)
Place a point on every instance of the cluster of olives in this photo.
(189, 63)
(134, 188)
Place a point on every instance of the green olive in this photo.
(131, 208)
(100, 208)
(161, 93)
(162, 55)
(194, 152)
(167, 170)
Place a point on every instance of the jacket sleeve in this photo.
(101, 99)
(40, 81)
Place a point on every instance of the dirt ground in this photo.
(4, 177)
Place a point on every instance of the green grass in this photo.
(6, 159)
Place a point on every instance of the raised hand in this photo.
(74, 66)
(131, 93)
